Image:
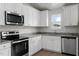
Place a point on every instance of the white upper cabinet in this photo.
(31, 16)
(19, 8)
(35, 17)
(2, 16)
(11, 7)
(25, 12)
(70, 15)
(44, 18)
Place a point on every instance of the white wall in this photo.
(72, 29)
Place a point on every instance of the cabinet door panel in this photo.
(5, 52)
(11, 7)
(52, 43)
(44, 18)
(39, 43)
(35, 15)
(66, 16)
(26, 15)
(70, 15)
(19, 8)
(74, 15)
(30, 16)
(2, 17)
(34, 45)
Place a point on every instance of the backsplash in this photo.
(72, 29)
(21, 29)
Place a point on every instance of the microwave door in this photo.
(13, 19)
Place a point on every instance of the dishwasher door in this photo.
(69, 45)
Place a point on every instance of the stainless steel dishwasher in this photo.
(68, 45)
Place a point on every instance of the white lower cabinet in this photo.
(34, 45)
(5, 49)
(5, 52)
(51, 43)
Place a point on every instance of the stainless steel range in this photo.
(19, 45)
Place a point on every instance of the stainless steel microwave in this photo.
(13, 18)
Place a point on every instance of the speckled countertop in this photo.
(22, 36)
(4, 42)
(28, 35)
(58, 34)
(39, 34)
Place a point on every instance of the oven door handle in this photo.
(19, 41)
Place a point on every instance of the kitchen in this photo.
(39, 30)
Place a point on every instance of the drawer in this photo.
(6, 45)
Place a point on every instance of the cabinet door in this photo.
(44, 18)
(2, 15)
(70, 15)
(34, 45)
(5, 52)
(74, 15)
(26, 15)
(35, 17)
(39, 43)
(19, 8)
(66, 16)
(52, 43)
(27, 12)
(11, 7)
(32, 16)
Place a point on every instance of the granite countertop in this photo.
(27, 36)
(58, 34)
(4, 41)
(22, 36)
(49, 33)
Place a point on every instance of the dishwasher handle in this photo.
(68, 37)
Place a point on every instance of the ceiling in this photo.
(48, 6)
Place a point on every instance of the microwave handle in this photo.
(22, 18)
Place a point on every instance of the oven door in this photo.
(20, 48)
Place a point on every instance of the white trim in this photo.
(77, 46)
